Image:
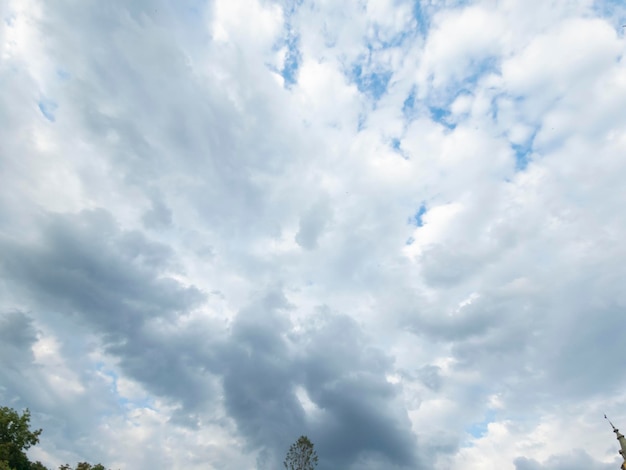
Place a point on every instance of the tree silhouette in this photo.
(16, 438)
(301, 455)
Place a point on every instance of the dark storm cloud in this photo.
(159, 216)
(343, 375)
(259, 376)
(86, 268)
(17, 335)
(346, 377)
(86, 265)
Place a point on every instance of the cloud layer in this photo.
(395, 227)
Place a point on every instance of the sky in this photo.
(396, 227)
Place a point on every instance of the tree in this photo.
(83, 466)
(16, 438)
(301, 455)
(88, 466)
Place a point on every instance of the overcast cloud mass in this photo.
(394, 226)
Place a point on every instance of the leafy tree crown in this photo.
(301, 455)
(16, 438)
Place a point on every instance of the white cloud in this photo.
(459, 43)
(199, 264)
(247, 23)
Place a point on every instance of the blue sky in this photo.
(48, 108)
(393, 226)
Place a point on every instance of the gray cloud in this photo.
(312, 225)
(177, 164)
(576, 460)
(111, 281)
(18, 335)
(345, 377)
(356, 410)
(108, 279)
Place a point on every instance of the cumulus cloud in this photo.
(395, 227)
(576, 460)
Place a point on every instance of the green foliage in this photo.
(88, 466)
(15, 438)
(83, 466)
(301, 455)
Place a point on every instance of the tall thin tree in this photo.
(301, 455)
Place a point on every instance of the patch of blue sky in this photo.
(418, 218)
(398, 39)
(291, 6)
(291, 42)
(480, 68)
(522, 156)
(612, 10)
(409, 106)
(396, 144)
(380, 40)
(437, 105)
(441, 116)
(442, 97)
(479, 429)
(370, 77)
(372, 83)
(437, 110)
(293, 59)
(106, 372)
(421, 17)
(362, 121)
(126, 402)
(424, 10)
(523, 152)
(48, 108)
